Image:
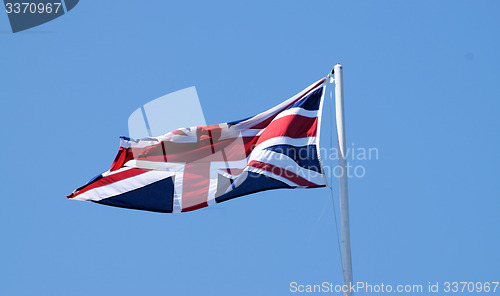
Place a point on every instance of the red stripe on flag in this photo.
(293, 126)
(121, 158)
(195, 185)
(298, 127)
(283, 173)
(265, 122)
(108, 180)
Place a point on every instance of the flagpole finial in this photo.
(333, 70)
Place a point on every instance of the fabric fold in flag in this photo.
(191, 168)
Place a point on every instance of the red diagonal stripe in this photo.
(283, 173)
(293, 126)
(265, 122)
(108, 180)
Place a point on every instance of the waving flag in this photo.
(191, 168)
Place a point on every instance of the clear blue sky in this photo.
(421, 85)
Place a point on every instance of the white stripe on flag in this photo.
(298, 111)
(123, 186)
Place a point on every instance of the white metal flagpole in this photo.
(344, 199)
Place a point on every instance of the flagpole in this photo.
(344, 199)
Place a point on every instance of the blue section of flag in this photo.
(305, 156)
(156, 197)
(309, 102)
(253, 183)
(238, 121)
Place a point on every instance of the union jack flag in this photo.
(191, 168)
